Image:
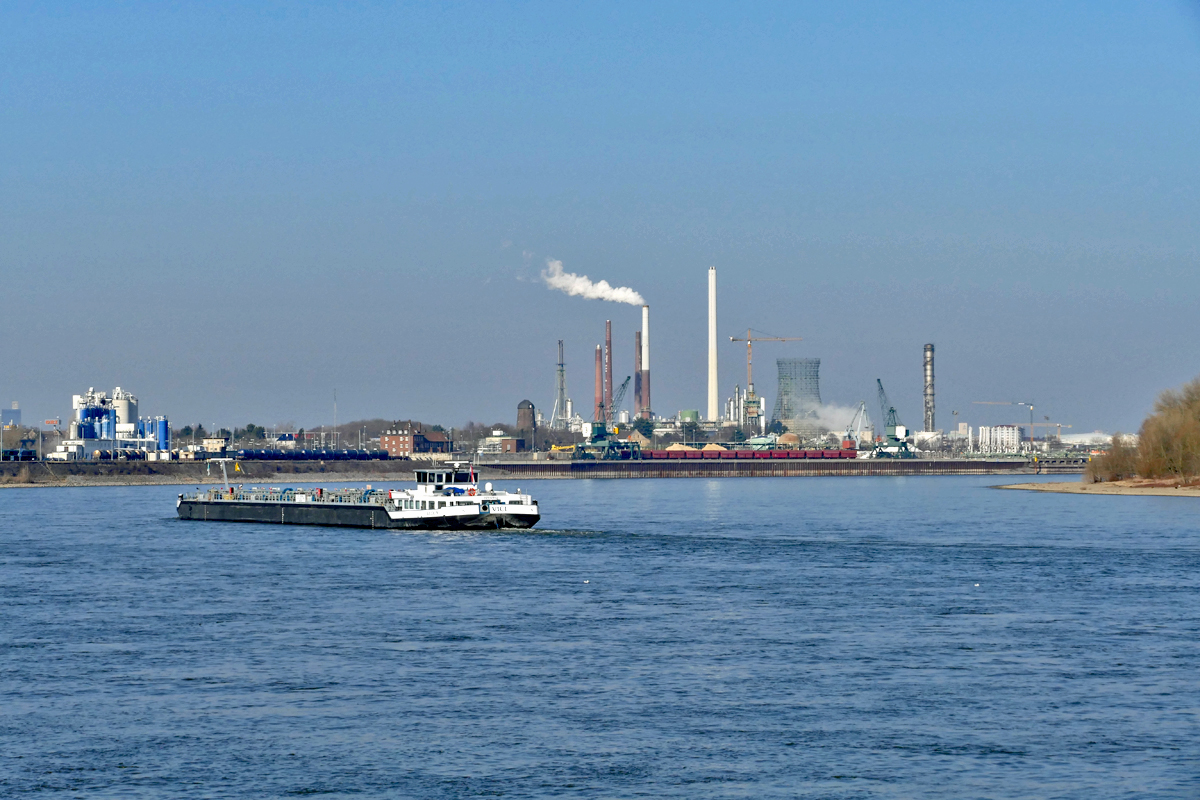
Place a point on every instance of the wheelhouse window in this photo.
(462, 477)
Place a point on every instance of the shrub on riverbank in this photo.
(1120, 463)
(1170, 440)
(1168, 444)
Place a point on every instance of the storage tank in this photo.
(108, 424)
(164, 434)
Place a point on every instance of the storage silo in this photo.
(126, 406)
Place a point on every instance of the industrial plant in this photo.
(798, 419)
(110, 427)
(619, 422)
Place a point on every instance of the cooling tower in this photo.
(799, 395)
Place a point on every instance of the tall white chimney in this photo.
(646, 338)
(712, 344)
(646, 407)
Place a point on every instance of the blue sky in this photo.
(233, 211)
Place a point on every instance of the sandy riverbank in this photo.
(1163, 488)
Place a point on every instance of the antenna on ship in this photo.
(224, 474)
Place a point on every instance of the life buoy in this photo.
(471, 492)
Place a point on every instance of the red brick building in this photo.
(404, 442)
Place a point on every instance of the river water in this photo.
(758, 638)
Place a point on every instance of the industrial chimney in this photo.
(599, 386)
(646, 407)
(713, 412)
(929, 387)
(608, 395)
(637, 373)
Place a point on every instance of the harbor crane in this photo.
(617, 399)
(895, 435)
(890, 417)
(752, 401)
(602, 442)
(860, 420)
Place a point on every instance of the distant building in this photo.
(11, 417)
(406, 442)
(1000, 438)
(215, 444)
(500, 443)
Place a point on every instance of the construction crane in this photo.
(752, 401)
(1011, 403)
(1058, 425)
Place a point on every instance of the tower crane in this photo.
(752, 402)
(1011, 403)
(1049, 425)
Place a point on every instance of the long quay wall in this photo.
(131, 473)
(124, 473)
(770, 468)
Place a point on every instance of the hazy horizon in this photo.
(235, 211)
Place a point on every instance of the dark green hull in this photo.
(339, 515)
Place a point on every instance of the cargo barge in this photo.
(444, 498)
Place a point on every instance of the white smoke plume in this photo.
(582, 286)
(834, 418)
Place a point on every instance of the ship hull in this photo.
(344, 516)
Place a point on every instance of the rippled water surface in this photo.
(813, 637)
